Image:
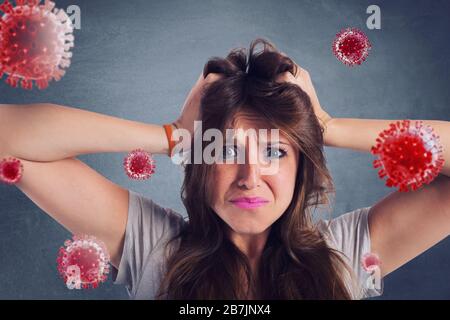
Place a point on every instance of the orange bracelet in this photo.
(168, 129)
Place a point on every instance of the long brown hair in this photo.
(296, 262)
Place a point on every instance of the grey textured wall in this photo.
(138, 59)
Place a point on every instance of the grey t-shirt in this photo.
(150, 226)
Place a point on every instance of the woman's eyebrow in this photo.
(275, 142)
(279, 142)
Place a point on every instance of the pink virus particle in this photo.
(35, 43)
(370, 262)
(11, 170)
(83, 262)
(351, 46)
(139, 165)
(409, 155)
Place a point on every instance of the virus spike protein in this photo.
(35, 43)
(408, 155)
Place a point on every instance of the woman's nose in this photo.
(249, 175)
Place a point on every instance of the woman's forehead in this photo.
(247, 119)
(250, 125)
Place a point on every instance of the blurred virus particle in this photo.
(409, 155)
(370, 262)
(351, 46)
(139, 165)
(11, 170)
(35, 43)
(84, 262)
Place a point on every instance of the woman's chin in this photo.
(249, 230)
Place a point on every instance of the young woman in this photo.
(228, 248)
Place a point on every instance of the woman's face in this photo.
(236, 180)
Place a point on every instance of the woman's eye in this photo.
(229, 151)
(276, 152)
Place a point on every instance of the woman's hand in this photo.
(303, 80)
(191, 108)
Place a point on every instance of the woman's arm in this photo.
(47, 132)
(402, 225)
(360, 135)
(80, 199)
(46, 138)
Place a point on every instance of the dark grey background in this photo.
(139, 59)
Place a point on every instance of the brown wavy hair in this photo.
(296, 262)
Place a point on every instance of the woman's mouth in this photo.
(249, 203)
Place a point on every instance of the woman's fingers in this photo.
(285, 77)
(299, 80)
(191, 107)
(298, 70)
(211, 77)
(303, 80)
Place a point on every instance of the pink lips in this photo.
(248, 203)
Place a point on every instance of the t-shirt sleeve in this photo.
(349, 234)
(148, 225)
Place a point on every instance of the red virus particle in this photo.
(139, 165)
(83, 262)
(11, 170)
(35, 41)
(409, 155)
(370, 262)
(351, 46)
